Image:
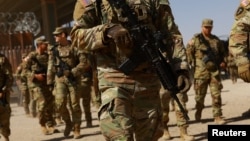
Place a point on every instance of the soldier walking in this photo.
(206, 54)
(36, 68)
(66, 65)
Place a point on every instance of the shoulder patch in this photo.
(191, 42)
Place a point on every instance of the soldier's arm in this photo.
(83, 65)
(174, 39)
(9, 73)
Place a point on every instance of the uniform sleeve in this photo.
(83, 65)
(239, 36)
(51, 68)
(174, 38)
(190, 52)
(9, 73)
(27, 66)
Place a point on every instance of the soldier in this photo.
(35, 68)
(206, 54)
(130, 102)
(239, 42)
(66, 65)
(6, 82)
(23, 85)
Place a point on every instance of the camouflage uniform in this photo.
(239, 42)
(205, 55)
(130, 103)
(6, 81)
(23, 85)
(65, 79)
(232, 68)
(35, 68)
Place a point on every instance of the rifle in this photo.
(62, 66)
(149, 47)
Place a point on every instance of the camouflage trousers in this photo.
(45, 105)
(201, 86)
(5, 113)
(165, 96)
(84, 91)
(66, 94)
(131, 110)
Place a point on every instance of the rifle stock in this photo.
(149, 46)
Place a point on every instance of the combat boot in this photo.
(58, 121)
(166, 135)
(198, 114)
(77, 131)
(184, 135)
(52, 130)
(219, 120)
(68, 128)
(44, 130)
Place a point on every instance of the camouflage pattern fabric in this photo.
(39, 90)
(197, 50)
(130, 103)
(6, 82)
(65, 90)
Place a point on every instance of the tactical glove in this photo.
(120, 36)
(244, 72)
(183, 82)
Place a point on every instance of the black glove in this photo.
(121, 37)
(183, 82)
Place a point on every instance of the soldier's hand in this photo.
(1, 94)
(211, 66)
(66, 73)
(120, 35)
(183, 83)
(40, 77)
(244, 72)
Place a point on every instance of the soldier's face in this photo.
(207, 30)
(58, 37)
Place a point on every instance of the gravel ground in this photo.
(234, 97)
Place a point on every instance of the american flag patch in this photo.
(86, 2)
(244, 2)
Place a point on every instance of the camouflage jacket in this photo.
(90, 36)
(75, 59)
(239, 35)
(199, 47)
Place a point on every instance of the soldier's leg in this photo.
(181, 121)
(215, 90)
(5, 122)
(148, 116)
(26, 100)
(60, 92)
(32, 105)
(200, 87)
(115, 115)
(76, 110)
(86, 102)
(165, 100)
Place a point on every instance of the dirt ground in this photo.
(235, 98)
